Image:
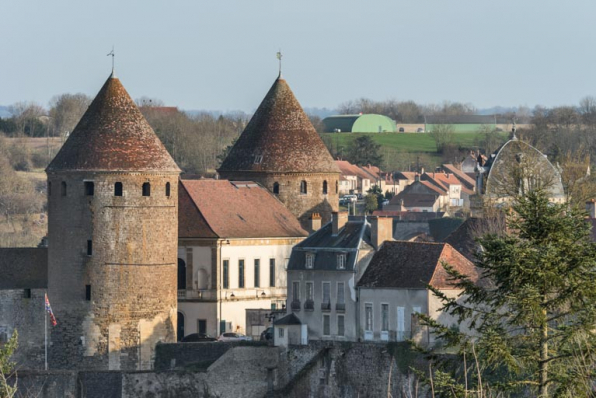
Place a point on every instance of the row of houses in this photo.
(350, 281)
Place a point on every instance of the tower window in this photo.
(324, 187)
(276, 188)
(88, 292)
(63, 188)
(89, 247)
(118, 189)
(27, 293)
(89, 188)
(336, 186)
(303, 187)
(146, 189)
(49, 188)
(168, 189)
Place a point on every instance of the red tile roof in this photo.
(414, 265)
(279, 138)
(113, 135)
(228, 209)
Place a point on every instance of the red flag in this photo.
(49, 310)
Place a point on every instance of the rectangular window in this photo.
(88, 292)
(384, 317)
(202, 326)
(368, 317)
(226, 274)
(340, 293)
(341, 261)
(340, 325)
(310, 291)
(296, 291)
(89, 188)
(280, 332)
(272, 272)
(401, 327)
(326, 292)
(310, 260)
(326, 325)
(240, 273)
(27, 293)
(89, 248)
(257, 272)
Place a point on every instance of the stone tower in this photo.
(281, 150)
(113, 230)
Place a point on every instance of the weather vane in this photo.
(113, 55)
(279, 57)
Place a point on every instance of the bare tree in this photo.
(65, 112)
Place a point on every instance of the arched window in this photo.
(276, 188)
(168, 189)
(146, 189)
(324, 187)
(118, 189)
(63, 188)
(303, 187)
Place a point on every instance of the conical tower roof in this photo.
(113, 135)
(280, 138)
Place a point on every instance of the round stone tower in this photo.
(113, 231)
(281, 150)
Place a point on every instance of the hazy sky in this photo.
(220, 55)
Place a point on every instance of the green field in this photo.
(402, 149)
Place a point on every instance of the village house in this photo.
(324, 270)
(235, 239)
(393, 289)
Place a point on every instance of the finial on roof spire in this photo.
(279, 56)
(112, 54)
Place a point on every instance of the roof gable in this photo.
(113, 135)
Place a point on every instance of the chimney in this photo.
(315, 222)
(339, 220)
(417, 177)
(381, 230)
(591, 208)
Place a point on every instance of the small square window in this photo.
(341, 261)
(89, 188)
(27, 293)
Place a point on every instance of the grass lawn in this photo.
(405, 142)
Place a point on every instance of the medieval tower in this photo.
(112, 228)
(281, 150)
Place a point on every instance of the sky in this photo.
(221, 55)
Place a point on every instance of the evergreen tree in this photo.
(364, 151)
(531, 319)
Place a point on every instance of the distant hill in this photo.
(4, 111)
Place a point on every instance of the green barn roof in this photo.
(369, 123)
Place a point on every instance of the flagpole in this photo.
(46, 330)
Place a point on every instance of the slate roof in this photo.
(23, 268)
(327, 246)
(113, 135)
(229, 209)
(410, 215)
(414, 265)
(280, 133)
(290, 319)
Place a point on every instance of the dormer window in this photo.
(258, 159)
(341, 261)
(310, 260)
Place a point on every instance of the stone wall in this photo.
(131, 271)
(26, 316)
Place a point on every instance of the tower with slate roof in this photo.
(113, 225)
(280, 149)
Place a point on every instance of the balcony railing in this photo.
(326, 306)
(340, 307)
(309, 305)
(295, 305)
(206, 294)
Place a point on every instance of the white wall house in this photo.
(394, 289)
(235, 240)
